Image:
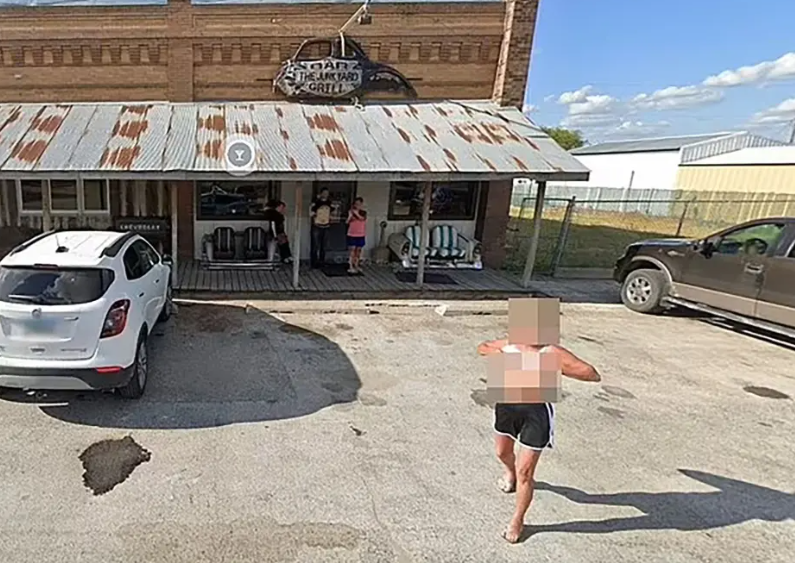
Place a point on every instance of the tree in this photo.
(567, 138)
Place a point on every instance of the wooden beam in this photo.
(7, 199)
(123, 208)
(3, 203)
(424, 231)
(537, 219)
(296, 242)
(81, 203)
(174, 240)
(161, 207)
(46, 204)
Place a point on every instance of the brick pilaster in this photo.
(180, 51)
(495, 222)
(185, 212)
(510, 82)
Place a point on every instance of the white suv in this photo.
(77, 308)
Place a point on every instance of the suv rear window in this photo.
(54, 286)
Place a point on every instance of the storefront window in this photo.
(450, 201)
(233, 200)
(95, 195)
(31, 194)
(63, 195)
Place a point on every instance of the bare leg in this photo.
(526, 463)
(351, 260)
(358, 259)
(504, 449)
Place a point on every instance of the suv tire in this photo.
(135, 387)
(643, 290)
(168, 307)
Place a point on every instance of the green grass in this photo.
(596, 238)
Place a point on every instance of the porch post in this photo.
(3, 204)
(426, 213)
(46, 219)
(7, 202)
(161, 204)
(533, 250)
(123, 208)
(297, 235)
(174, 241)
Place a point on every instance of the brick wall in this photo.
(510, 82)
(185, 213)
(495, 222)
(182, 52)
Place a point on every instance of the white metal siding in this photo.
(652, 170)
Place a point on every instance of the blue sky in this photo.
(623, 49)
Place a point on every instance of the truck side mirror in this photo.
(167, 260)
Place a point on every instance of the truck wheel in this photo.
(135, 387)
(643, 291)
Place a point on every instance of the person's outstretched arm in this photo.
(574, 367)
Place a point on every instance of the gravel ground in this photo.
(336, 431)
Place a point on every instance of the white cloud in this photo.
(593, 105)
(782, 68)
(630, 128)
(549, 98)
(529, 108)
(576, 97)
(677, 97)
(590, 121)
(782, 113)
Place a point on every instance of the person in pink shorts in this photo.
(357, 228)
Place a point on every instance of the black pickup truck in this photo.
(745, 274)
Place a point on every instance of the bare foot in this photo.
(513, 532)
(507, 483)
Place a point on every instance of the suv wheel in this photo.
(135, 387)
(168, 307)
(643, 290)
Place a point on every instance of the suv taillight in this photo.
(116, 319)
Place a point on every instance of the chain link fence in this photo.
(594, 233)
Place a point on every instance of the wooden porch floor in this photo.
(377, 280)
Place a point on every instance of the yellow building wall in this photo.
(737, 179)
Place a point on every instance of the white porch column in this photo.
(5, 217)
(533, 250)
(424, 231)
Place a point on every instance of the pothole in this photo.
(108, 463)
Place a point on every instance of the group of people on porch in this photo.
(321, 215)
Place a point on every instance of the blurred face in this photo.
(324, 194)
(281, 208)
(534, 322)
(357, 204)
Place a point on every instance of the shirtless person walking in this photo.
(525, 388)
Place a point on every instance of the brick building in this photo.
(128, 111)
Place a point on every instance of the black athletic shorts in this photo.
(531, 424)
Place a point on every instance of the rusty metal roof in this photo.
(422, 140)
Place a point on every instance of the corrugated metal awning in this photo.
(421, 141)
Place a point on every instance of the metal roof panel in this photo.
(450, 139)
(271, 140)
(62, 146)
(90, 150)
(152, 142)
(181, 143)
(330, 142)
(29, 149)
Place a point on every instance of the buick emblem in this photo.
(36, 313)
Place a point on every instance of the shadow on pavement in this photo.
(215, 365)
(734, 502)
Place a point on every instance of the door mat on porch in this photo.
(336, 271)
(430, 277)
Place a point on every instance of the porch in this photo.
(378, 282)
